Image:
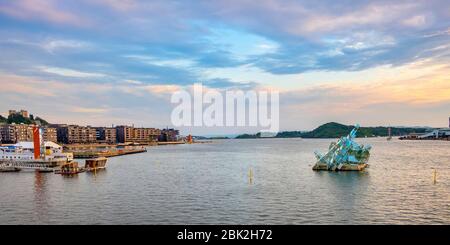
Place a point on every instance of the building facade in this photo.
(15, 133)
(106, 135)
(50, 134)
(74, 134)
(145, 135)
(8, 134)
(169, 135)
(129, 134)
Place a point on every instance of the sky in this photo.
(104, 62)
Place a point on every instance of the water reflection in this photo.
(41, 197)
(345, 191)
(97, 174)
(208, 184)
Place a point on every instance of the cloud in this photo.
(89, 110)
(68, 72)
(55, 45)
(46, 10)
(286, 37)
(133, 82)
(416, 21)
(162, 89)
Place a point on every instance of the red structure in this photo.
(189, 139)
(37, 142)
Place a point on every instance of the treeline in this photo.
(336, 130)
(19, 119)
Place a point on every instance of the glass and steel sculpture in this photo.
(345, 154)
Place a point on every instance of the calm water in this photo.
(209, 184)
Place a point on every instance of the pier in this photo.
(437, 134)
(107, 153)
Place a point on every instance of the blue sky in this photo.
(102, 62)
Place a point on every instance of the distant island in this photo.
(336, 130)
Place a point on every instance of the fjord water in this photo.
(209, 184)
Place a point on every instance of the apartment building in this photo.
(169, 135)
(146, 135)
(74, 134)
(14, 133)
(106, 135)
(8, 134)
(124, 134)
(50, 134)
(129, 134)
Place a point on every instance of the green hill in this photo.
(328, 130)
(18, 119)
(290, 134)
(3, 120)
(249, 136)
(336, 130)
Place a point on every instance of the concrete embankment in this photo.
(101, 150)
(108, 153)
(172, 143)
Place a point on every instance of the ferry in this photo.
(37, 155)
(23, 152)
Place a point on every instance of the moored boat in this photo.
(95, 164)
(70, 168)
(37, 155)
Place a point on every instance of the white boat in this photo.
(23, 152)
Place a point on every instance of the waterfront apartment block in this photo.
(14, 133)
(124, 134)
(130, 134)
(169, 135)
(146, 135)
(74, 134)
(106, 135)
(50, 134)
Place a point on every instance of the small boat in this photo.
(95, 164)
(70, 168)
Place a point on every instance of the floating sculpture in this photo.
(344, 155)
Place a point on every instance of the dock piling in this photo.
(434, 176)
(250, 176)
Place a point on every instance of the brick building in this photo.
(169, 135)
(106, 135)
(74, 134)
(127, 134)
(14, 133)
